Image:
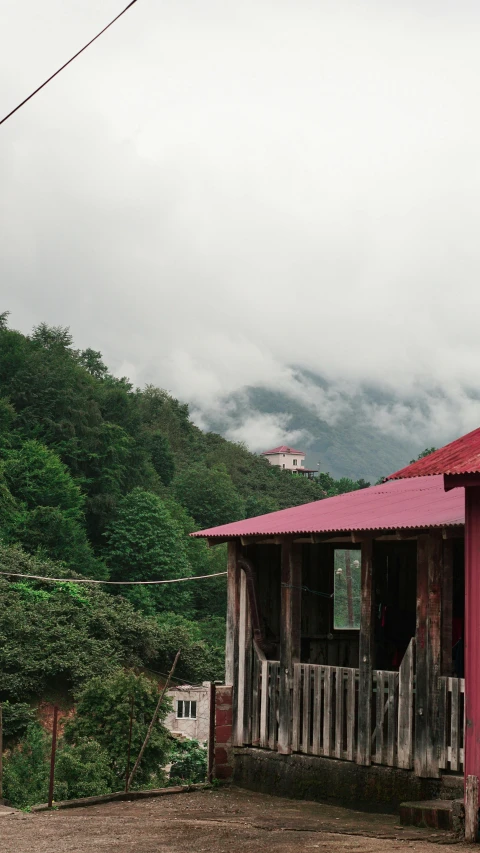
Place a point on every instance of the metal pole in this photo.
(52, 757)
(129, 744)
(211, 734)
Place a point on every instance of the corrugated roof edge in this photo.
(206, 535)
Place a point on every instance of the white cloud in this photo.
(215, 191)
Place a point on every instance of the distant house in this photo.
(190, 714)
(289, 459)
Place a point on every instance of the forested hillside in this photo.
(106, 481)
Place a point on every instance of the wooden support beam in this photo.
(290, 637)
(428, 654)
(233, 625)
(366, 650)
(447, 607)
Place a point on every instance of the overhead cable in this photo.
(114, 583)
(67, 63)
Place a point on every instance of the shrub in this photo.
(189, 763)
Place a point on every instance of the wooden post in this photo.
(1, 753)
(290, 631)
(52, 757)
(447, 607)
(434, 649)
(472, 631)
(428, 654)
(471, 809)
(243, 686)
(232, 628)
(421, 697)
(405, 708)
(366, 650)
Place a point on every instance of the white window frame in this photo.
(186, 705)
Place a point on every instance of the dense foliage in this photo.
(102, 480)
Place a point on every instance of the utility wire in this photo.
(114, 583)
(69, 61)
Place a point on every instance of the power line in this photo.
(69, 61)
(114, 583)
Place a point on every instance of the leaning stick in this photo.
(154, 720)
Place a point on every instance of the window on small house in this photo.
(346, 589)
(186, 709)
(294, 462)
(283, 466)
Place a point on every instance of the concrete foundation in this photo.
(311, 777)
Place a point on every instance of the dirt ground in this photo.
(227, 820)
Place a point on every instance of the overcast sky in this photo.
(217, 190)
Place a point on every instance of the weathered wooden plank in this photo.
(379, 715)
(443, 724)
(327, 710)
(447, 608)
(290, 637)
(248, 651)
(307, 690)
(421, 697)
(241, 687)
(366, 649)
(296, 722)
(339, 712)
(405, 709)
(434, 649)
(453, 686)
(471, 809)
(272, 715)
(233, 612)
(255, 700)
(316, 710)
(264, 705)
(392, 716)
(351, 714)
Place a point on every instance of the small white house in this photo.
(285, 457)
(191, 711)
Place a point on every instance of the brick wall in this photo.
(223, 764)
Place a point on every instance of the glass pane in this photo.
(180, 709)
(193, 710)
(346, 589)
(187, 709)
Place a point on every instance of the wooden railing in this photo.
(325, 710)
(265, 702)
(452, 723)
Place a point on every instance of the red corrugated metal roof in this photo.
(401, 504)
(461, 456)
(283, 449)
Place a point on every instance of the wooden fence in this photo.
(324, 712)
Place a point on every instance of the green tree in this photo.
(426, 452)
(144, 543)
(83, 769)
(162, 457)
(26, 769)
(209, 495)
(48, 510)
(103, 714)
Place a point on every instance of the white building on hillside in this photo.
(289, 459)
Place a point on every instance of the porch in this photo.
(384, 686)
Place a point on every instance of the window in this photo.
(283, 466)
(186, 710)
(294, 462)
(346, 589)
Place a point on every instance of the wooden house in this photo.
(345, 634)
